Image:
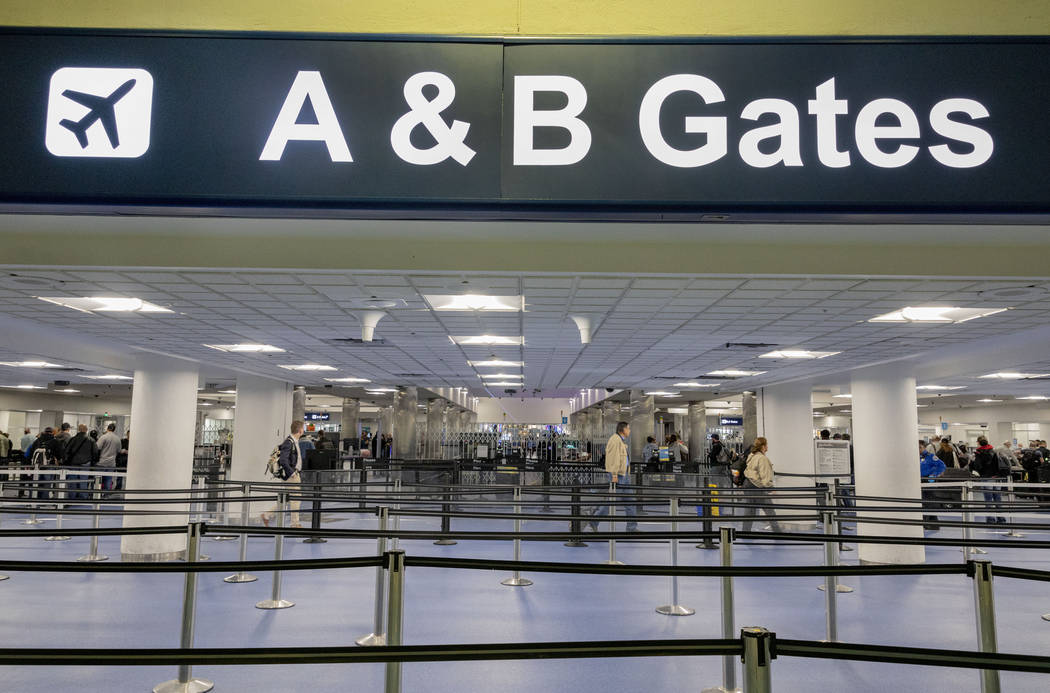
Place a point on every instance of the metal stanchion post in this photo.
(706, 498)
(725, 545)
(186, 683)
(984, 604)
(397, 515)
(315, 516)
(831, 558)
(222, 511)
(1012, 496)
(575, 526)
(93, 555)
(35, 498)
(275, 601)
(612, 526)
(60, 498)
(758, 657)
(240, 575)
(517, 580)
(831, 623)
(395, 615)
(968, 550)
(378, 634)
(362, 483)
(446, 519)
(674, 608)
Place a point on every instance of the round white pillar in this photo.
(886, 457)
(160, 455)
(787, 424)
(260, 422)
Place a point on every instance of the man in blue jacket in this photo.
(929, 468)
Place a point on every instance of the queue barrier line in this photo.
(1020, 573)
(891, 654)
(191, 566)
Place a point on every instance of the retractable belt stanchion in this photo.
(315, 516)
(60, 501)
(517, 580)
(93, 555)
(612, 525)
(362, 483)
(758, 658)
(240, 575)
(378, 634)
(674, 608)
(186, 683)
(835, 501)
(575, 525)
(2, 576)
(397, 516)
(33, 498)
(831, 558)
(446, 519)
(1012, 495)
(275, 601)
(706, 512)
(222, 513)
(984, 606)
(395, 615)
(725, 546)
(967, 498)
(831, 624)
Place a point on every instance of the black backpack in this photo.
(736, 469)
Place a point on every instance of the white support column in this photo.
(886, 457)
(163, 410)
(787, 424)
(261, 421)
(299, 403)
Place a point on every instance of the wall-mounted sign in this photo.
(212, 120)
(316, 416)
(730, 421)
(831, 457)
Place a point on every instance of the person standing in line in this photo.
(5, 446)
(108, 449)
(80, 451)
(291, 461)
(26, 442)
(678, 451)
(617, 464)
(989, 465)
(760, 480)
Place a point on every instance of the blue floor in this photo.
(442, 606)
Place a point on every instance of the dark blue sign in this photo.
(730, 421)
(316, 416)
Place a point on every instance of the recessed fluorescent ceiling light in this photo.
(942, 314)
(1039, 397)
(497, 363)
(29, 364)
(309, 367)
(695, 384)
(110, 376)
(797, 354)
(487, 339)
(730, 373)
(378, 390)
(348, 380)
(476, 302)
(940, 387)
(662, 393)
(1009, 375)
(984, 400)
(718, 404)
(508, 383)
(105, 304)
(677, 410)
(497, 376)
(27, 387)
(226, 392)
(247, 348)
(843, 396)
(67, 390)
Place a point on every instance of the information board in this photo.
(831, 456)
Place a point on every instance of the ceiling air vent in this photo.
(749, 345)
(358, 342)
(1015, 293)
(413, 375)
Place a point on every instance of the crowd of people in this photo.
(85, 448)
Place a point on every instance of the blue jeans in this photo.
(993, 497)
(623, 489)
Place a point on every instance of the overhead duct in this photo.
(583, 324)
(369, 320)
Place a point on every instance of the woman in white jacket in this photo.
(759, 481)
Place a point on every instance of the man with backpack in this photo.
(286, 461)
(990, 465)
(45, 451)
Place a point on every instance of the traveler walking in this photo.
(991, 467)
(291, 462)
(760, 480)
(108, 449)
(617, 464)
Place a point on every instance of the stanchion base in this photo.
(720, 689)
(1046, 617)
(845, 548)
(94, 558)
(8, 577)
(371, 640)
(841, 589)
(516, 582)
(57, 538)
(707, 546)
(224, 537)
(240, 577)
(976, 551)
(32, 522)
(191, 686)
(574, 544)
(613, 563)
(445, 542)
(1012, 533)
(275, 604)
(675, 610)
(315, 540)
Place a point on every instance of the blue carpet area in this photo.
(444, 606)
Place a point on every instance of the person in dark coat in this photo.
(80, 451)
